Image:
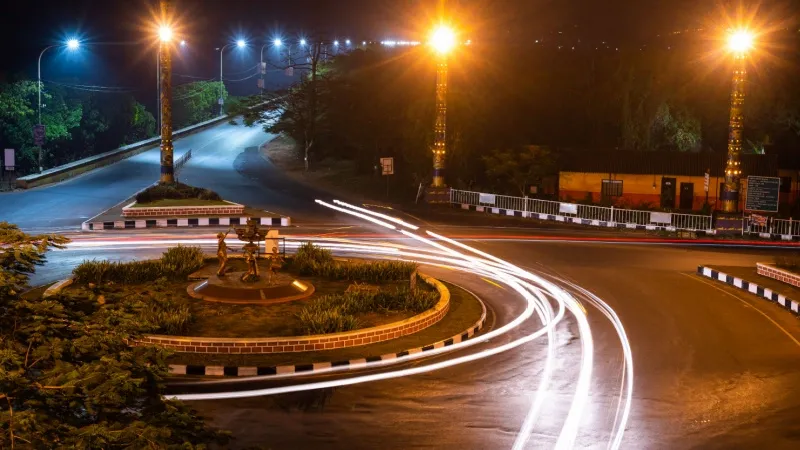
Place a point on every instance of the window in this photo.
(611, 188)
(786, 184)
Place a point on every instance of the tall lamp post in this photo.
(165, 98)
(443, 40)
(739, 43)
(239, 43)
(71, 44)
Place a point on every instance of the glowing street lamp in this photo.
(165, 33)
(277, 42)
(72, 44)
(347, 42)
(302, 42)
(442, 40)
(240, 43)
(740, 42)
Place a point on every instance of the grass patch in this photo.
(311, 260)
(175, 264)
(180, 202)
(463, 313)
(176, 191)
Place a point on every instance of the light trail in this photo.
(455, 255)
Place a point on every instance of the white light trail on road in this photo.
(377, 214)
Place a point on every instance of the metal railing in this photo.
(770, 225)
(607, 214)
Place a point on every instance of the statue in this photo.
(252, 263)
(275, 263)
(222, 252)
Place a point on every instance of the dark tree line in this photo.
(506, 102)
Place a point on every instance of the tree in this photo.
(69, 378)
(196, 102)
(675, 129)
(520, 166)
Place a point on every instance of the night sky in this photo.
(123, 46)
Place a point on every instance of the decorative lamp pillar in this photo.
(440, 127)
(165, 60)
(733, 168)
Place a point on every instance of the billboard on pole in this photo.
(8, 159)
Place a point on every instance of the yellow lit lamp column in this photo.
(165, 37)
(442, 40)
(740, 43)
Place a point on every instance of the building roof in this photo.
(662, 163)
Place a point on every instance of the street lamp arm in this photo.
(39, 82)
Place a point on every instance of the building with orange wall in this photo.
(667, 180)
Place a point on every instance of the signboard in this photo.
(387, 166)
(758, 220)
(271, 245)
(660, 217)
(8, 159)
(289, 71)
(486, 199)
(706, 181)
(263, 68)
(260, 83)
(221, 101)
(568, 208)
(762, 194)
(38, 135)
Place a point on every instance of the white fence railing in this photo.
(611, 216)
(771, 226)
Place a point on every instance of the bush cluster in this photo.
(311, 260)
(176, 263)
(177, 191)
(336, 312)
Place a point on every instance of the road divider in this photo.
(790, 305)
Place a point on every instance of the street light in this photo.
(443, 40)
(277, 42)
(302, 42)
(165, 33)
(72, 44)
(740, 42)
(347, 42)
(240, 43)
(183, 43)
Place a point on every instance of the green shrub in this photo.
(311, 260)
(177, 191)
(176, 263)
(319, 321)
(181, 261)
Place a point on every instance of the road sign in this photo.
(221, 101)
(263, 68)
(387, 166)
(762, 194)
(260, 83)
(8, 159)
(289, 71)
(706, 182)
(38, 135)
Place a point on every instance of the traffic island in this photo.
(356, 306)
(750, 279)
(179, 205)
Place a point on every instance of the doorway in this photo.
(687, 196)
(668, 193)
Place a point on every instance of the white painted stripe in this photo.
(226, 221)
(242, 220)
(510, 212)
(286, 221)
(768, 293)
(321, 365)
(753, 288)
(796, 307)
(265, 221)
(247, 371)
(630, 225)
(542, 216)
(737, 282)
(388, 356)
(782, 300)
(161, 223)
(414, 350)
(596, 223)
(215, 370)
(177, 369)
(456, 339)
(119, 224)
(786, 237)
(202, 221)
(358, 362)
(650, 227)
(707, 272)
(284, 369)
(479, 208)
(464, 206)
(85, 226)
(721, 276)
(183, 222)
(140, 224)
(764, 235)
(611, 224)
(672, 229)
(438, 345)
(560, 219)
(495, 210)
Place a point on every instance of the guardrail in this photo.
(69, 170)
(582, 214)
(770, 226)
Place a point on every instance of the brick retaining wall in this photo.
(309, 343)
(775, 273)
(233, 209)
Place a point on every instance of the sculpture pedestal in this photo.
(230, 289)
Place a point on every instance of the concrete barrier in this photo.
(80, 166)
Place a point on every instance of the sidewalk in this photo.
(751, 275)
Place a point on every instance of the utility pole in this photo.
(733, 168)
(440, 126)
(165, 61)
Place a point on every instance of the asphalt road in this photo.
(714, 368)
(224, 158)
